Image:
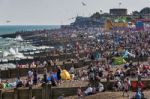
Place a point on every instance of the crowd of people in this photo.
(100, 50)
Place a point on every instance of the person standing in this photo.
(35, 77)
(59, 74)
(30, 75)
(129, 83)
(138, 94)
(125, 88)
(45, 76)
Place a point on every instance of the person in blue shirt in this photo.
(138, 94)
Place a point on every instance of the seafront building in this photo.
(98, 19)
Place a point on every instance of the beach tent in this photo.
(65, 75)
(118, 60)
(125, 54)
(128, 53)
(5, 85)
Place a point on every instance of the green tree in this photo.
(96, 15)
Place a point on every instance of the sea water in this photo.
(8, 29)
(6, 43)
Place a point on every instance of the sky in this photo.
(56, 12)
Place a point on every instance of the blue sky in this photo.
(55, 12)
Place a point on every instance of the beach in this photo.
(85, 60)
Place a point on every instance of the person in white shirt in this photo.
(129, 83)
(30, 74)
(119, 85)
(88, 91)
(100, 87)
(72, 70)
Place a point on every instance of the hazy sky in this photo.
(55, 12)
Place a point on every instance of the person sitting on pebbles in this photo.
(100, 87)
(88, 91)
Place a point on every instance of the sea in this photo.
(10, 46)
(8, 29)
(6, 43)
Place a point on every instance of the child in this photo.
(79, 92)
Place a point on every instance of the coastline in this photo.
(10, 30)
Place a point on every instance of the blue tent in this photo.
(126, 54)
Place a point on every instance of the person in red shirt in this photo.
(140, 85)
